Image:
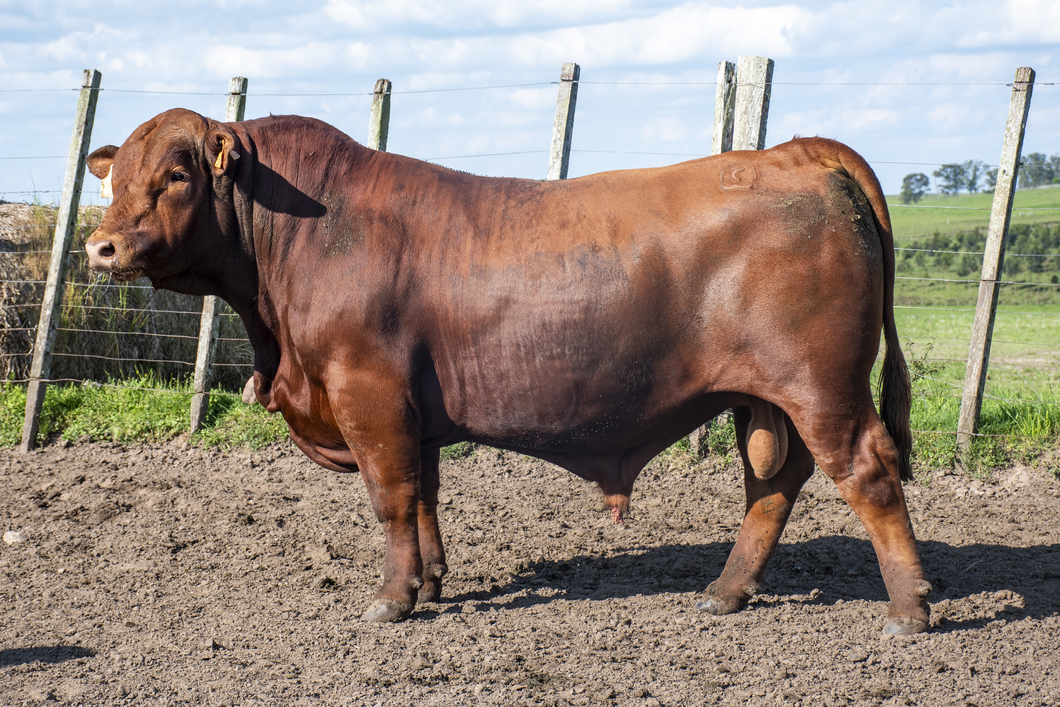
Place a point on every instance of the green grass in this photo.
(146, 410)
(1024, 355)
(1013, 427)
(916, 221)
(137, 410)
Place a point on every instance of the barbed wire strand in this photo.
(122, 310)
(899, 84)
(128, 333)
(120, 360)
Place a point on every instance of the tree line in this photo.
(1036, 169)
(1031, 249)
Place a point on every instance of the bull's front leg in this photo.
(393, 481)
(431, 550)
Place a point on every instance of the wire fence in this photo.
(107, 331)
(111, 332)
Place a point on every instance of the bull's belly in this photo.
(570, 427)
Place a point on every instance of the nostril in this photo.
(100, 248)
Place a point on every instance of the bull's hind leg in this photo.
(769, 503)
(431, 550)
(865, 469)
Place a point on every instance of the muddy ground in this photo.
(167, 575)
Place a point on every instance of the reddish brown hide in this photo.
(395, 306)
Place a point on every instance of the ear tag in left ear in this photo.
(220, 155)
(104, 189)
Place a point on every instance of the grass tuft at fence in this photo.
(142, 409)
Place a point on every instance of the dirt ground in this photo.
(167, 575)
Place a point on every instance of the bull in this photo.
(396, 306)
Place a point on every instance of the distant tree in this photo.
(914, 186)
(1036, 170)
(968, 264)
(990, 179)
(1054, 162)
(950, 178)
(974, 173)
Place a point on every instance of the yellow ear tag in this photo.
(220, 155)
(105, 190)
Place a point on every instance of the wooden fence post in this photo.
(754, 83)
(379, 123)
(993, 261)
(213, 306)
(724, 103)
(563, 127)
(66, 224)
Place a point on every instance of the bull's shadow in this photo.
(273, 191)
(43, 654)
(842, 568)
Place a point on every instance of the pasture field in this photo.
(963, 212)
(1024, 355)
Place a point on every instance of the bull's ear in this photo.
(100, 160)
(221, 150)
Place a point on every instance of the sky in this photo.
(909, 85)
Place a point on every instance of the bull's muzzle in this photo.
(101, 251)
(104, 256)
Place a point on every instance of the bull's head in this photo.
(165, 181)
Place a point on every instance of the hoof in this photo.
(712, 605)
(432, 583)
(904, 626)
(431, 591)
(386, 610)
(718, 605)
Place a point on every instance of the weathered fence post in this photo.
(563, 127)
(379, 123)
(213, 306)
(754, 83)
(66, 224)
(724, 103)
(993, 261)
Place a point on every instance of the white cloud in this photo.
(532, 98)
(1016, 22)
(233, 60)
(335, 46)
(665, 129)
(692, 30)
(473, 15)
(839, 122)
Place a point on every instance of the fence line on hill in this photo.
(749, 111)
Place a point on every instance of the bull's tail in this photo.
(895, 388)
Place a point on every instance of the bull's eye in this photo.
(178, 176)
